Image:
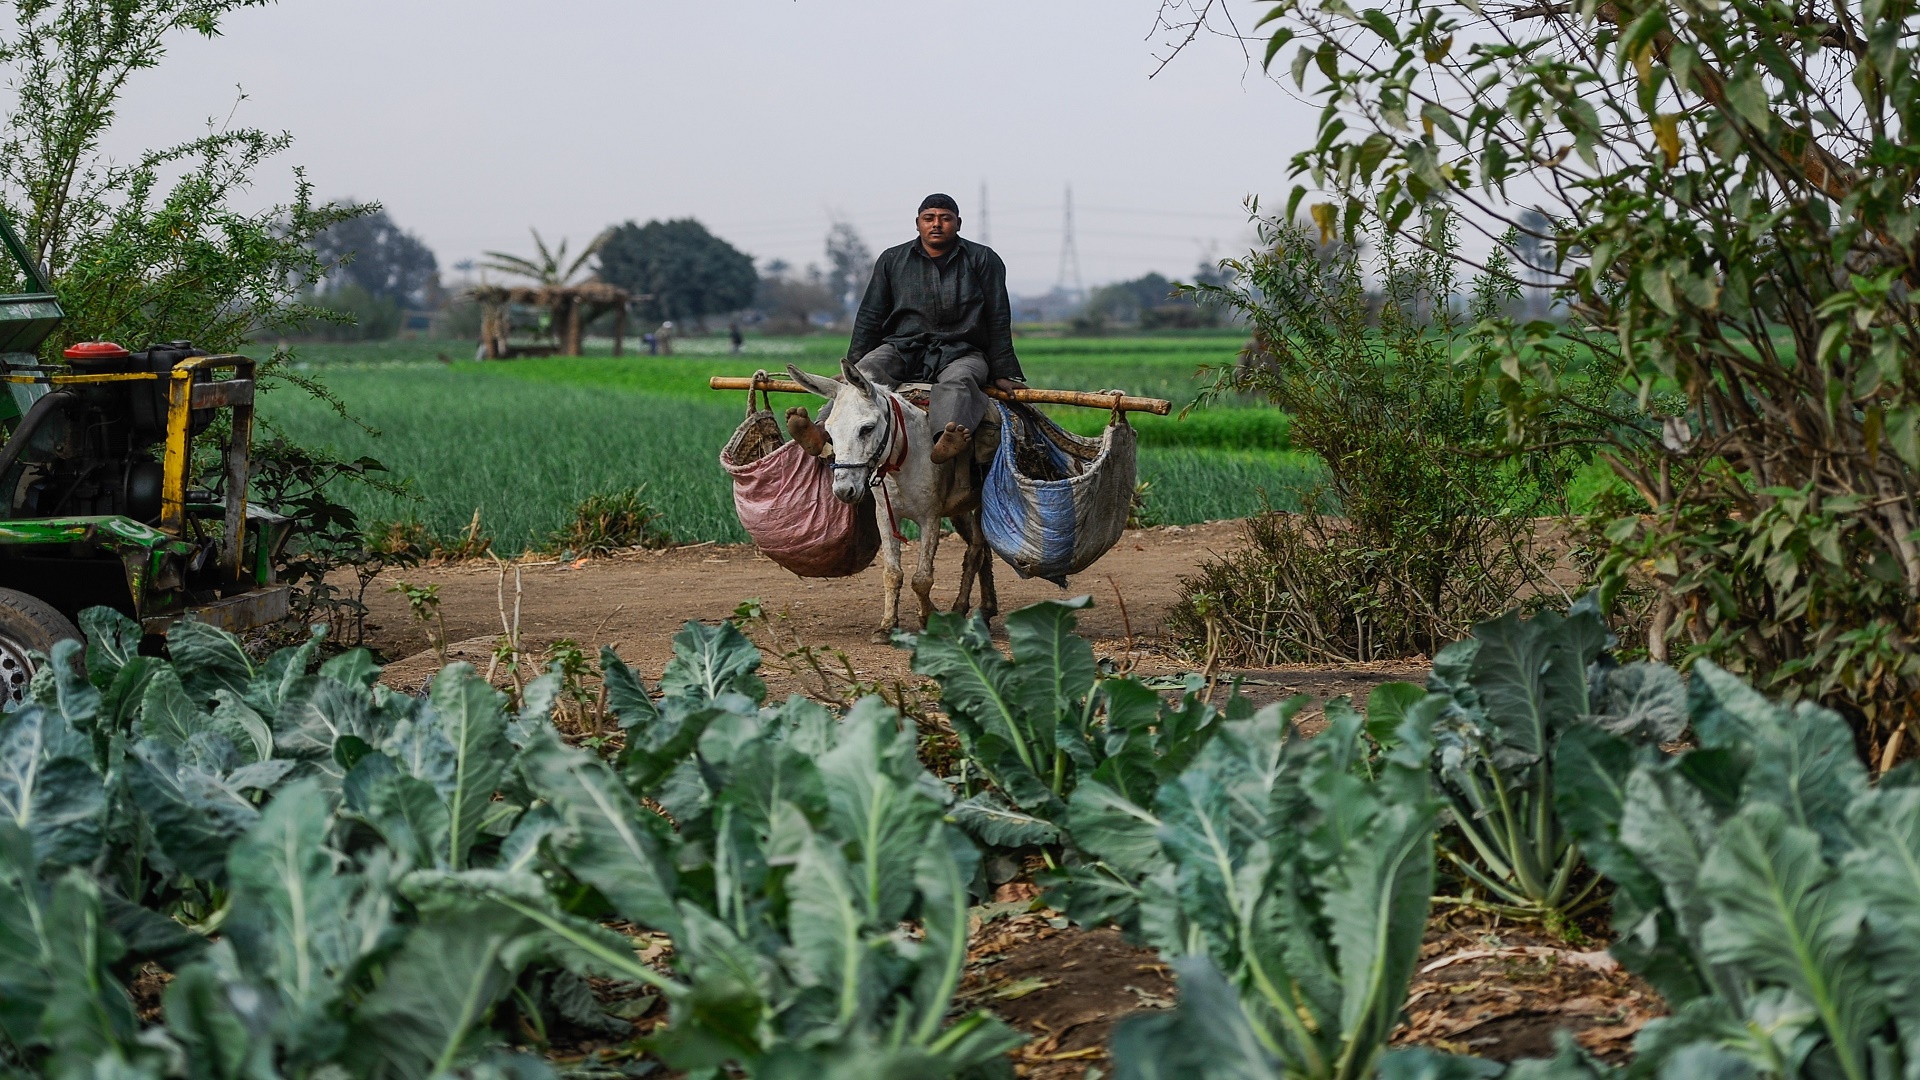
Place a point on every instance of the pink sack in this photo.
(784, 497)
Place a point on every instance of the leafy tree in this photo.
(1437, 531)
(549, 266)
(354, 315)
(789, 301)
(153, 249)
(849, 266)
(1152, 302)
(380, 258)
(1125, 301)
(1728, 191)
(684, 271)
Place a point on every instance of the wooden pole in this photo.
(493, 331)
(573, 326)
(1123, 402)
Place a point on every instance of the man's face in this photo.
(938, 228)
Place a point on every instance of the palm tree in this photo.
(552, 268)
(558, 287)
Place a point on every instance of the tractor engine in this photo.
(93, 449)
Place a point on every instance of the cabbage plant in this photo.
(1287, 880)
(1043, 721)
(342, 880)
(1763, 885)
(1516, 691)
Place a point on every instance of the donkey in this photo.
(879, 439)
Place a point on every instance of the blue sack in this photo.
(1054, 502)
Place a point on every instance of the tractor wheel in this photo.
(26, 625)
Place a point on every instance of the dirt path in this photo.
(636, 602)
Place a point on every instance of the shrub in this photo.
(1722, 199)
(352, 314)
(1435, 532)
(605, 523)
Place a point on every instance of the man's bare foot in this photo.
(953, 442)
(805, 432)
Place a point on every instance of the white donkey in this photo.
(880, 439)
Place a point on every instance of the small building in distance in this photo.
(550, 318)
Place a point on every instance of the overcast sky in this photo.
(472, 120)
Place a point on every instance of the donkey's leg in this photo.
(970, 565)
(923, 573)
(891, 574)
(982, 555)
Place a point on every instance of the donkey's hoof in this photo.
(883, 636)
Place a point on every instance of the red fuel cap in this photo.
(96, 350)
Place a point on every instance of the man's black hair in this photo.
(943, 202)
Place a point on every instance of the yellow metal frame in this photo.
(184, 395)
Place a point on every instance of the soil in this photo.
(635, 601)
(1065, 988)
(1505, 991)
(1483, 988)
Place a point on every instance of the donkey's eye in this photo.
(866, 429)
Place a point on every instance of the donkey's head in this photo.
(857, 428)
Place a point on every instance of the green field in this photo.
(524, 441)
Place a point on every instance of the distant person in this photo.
(734, 335)
(936, 311)
(653, 344)
(664, 336)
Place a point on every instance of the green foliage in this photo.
(352, 314)
(684, 271)
(549, 266)
(1149, 302)
(305, 483)
(358, 880)
(1520, 696)
(1288, 880)
(1436, 530)
(798, 845)
(242, 786)
(154, 249)
(1045, 723)
(150, 250)
(605, 523)
(526, 442)
(372, 254)
(1721, 196)
(1763, 887)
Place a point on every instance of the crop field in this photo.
(523, 441)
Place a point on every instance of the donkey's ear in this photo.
(819, 384)
(851, 374)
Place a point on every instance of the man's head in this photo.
(939, 223)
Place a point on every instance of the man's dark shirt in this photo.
(935, 310)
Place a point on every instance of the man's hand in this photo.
(1008, 384)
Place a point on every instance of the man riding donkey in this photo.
(936, 311)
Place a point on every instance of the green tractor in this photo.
(100, 504)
